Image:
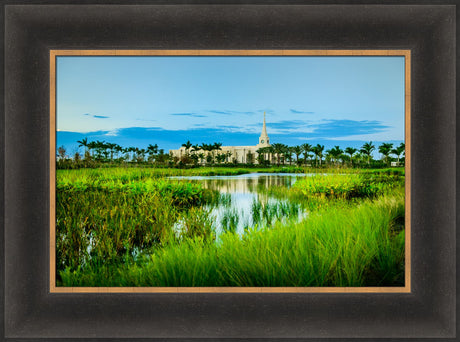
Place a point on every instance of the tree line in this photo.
(101, 152)
(309, 154)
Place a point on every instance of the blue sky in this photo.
(136, 101)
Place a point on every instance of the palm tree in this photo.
(118, 149)
(307, 148)
(111, 147)
(83, 142)
(126, 151)
(358, 158)
(287, 154)
(399, 150)
(91, 146)
(136, 154)
(196, 148)
(105, 153)
(133, 150)
(142, 152)
(270, 151)
(385, 149)
(338, 152)
(228, 154)
(328, 157)
(288, 151)
(217, 146)
(297, 150)
(318, 151)
(261, 154)
(221, 157)
(335, 153)
(351, 151)
(187, 146)
(152, 150)
(201, 156)
(208, 148)
(367, 149)
(99, 146)
(194, 158)
(278, 149)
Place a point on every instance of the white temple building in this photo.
(237, 153)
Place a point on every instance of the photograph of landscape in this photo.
(214, 171)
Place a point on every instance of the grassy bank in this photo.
(125, 174)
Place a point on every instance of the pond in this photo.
(247, 202)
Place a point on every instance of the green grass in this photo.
(362, 246)
(230, 220)
(136, 227)
(347, 186)
(138, 174)
(104, 222)
(125, 174)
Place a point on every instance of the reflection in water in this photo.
(249, 204)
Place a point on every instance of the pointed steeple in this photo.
(264, 129)
(264, 140)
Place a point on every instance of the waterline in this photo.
(246, 203)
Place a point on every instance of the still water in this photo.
(247, 202)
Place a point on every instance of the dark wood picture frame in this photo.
(31, 311)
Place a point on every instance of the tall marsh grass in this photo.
(361, 246)
(129, 174)
(347, 186)
(106, 221)
(136, 227)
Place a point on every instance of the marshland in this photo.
(230, 226)
(230, 170)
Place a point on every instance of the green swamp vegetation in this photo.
(230, 227)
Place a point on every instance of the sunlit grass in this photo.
(137, 227)
(347, 186)
(363, 246)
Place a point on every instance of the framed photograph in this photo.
(229, 171)
(214, 213)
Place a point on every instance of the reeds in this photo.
(104, 221)
(132, 227)
(347, 186)
(338, 247)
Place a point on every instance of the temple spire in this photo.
(264, 129)
(264, 140)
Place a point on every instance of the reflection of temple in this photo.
(246, 183)
(238, 153)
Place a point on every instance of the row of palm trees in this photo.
(105, 151)
(202, 152)
(189, 147)
(281, 153)
(276, 153)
